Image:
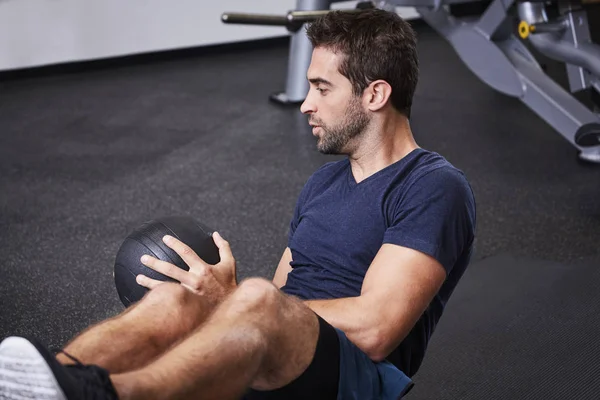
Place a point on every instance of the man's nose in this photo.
(307, 106)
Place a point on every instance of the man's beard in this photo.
(335, 139)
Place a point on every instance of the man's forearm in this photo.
(351, 315)
(341, 313)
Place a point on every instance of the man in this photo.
(377, 244)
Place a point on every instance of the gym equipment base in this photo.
(283, 99)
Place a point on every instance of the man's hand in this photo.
(213, 281)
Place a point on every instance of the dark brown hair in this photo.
(377, 44)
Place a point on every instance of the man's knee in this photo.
(257, 294)
(168, 296)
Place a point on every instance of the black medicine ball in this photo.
(147, 239)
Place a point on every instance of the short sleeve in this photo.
(434, 215)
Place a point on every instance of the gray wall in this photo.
(42, 32)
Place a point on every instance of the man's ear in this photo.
(377, 94)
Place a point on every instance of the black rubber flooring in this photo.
(517, 328)
(87, 155)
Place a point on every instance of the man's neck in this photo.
(385, 143)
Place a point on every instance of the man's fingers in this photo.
(165, 268)
(185, 252)
(224, 249)
(146, 282)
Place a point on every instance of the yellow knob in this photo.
(525, 29)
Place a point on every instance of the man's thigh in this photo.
(320, 380)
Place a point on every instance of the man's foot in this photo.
(30, 371)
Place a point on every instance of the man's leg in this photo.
(258, 338)
(167, 314)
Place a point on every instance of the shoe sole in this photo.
(24, 374)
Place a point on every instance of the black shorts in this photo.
(320, 380)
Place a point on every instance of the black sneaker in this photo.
(30, 371)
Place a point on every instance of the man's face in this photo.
(336, 114)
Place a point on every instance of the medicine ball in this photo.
(147, 239)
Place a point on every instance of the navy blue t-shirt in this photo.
(421, 202)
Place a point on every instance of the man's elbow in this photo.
(377, 345)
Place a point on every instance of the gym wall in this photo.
(43, 32)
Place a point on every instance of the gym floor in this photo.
(87, 155)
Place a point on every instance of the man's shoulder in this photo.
(434, 189)
(428, 178)
(332, 166)
(328, 170)
(433, 170)
(322, 178)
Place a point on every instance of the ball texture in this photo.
(147, 239)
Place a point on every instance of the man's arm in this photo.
(397, 289)
(283, 269)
